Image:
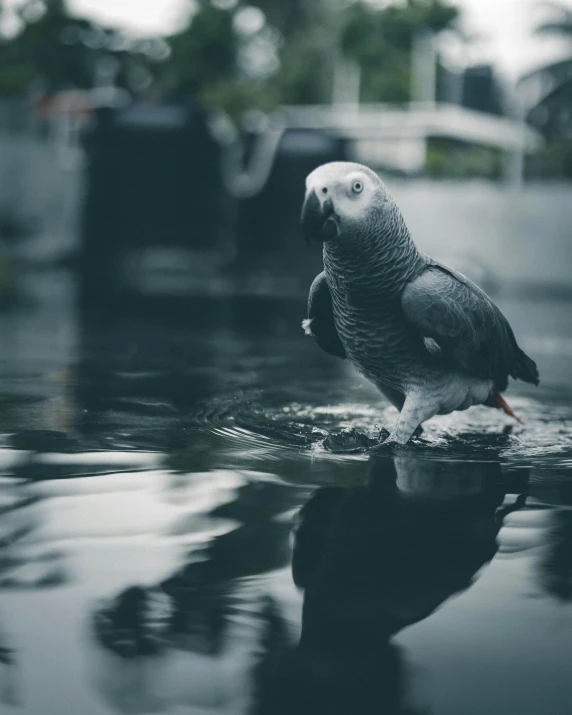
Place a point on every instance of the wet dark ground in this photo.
(153, 464)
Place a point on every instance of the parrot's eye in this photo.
(357, 187)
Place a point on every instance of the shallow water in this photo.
(152, 468)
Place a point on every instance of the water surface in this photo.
(153, 467)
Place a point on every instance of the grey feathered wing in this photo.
(468, 327)
(320, 321)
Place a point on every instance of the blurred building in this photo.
(481, 90)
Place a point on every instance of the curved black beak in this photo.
(318, 221)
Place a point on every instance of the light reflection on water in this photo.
(151, 471)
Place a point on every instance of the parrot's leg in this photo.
(414, 412)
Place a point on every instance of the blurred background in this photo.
(162, 416)
(160, 150)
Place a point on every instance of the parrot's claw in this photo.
(386, 443)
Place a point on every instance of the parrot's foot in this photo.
(386, 443)
(395, 439)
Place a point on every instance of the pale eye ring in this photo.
(357, 187)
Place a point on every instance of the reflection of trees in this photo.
(373, 560)
(192, 606)
(556, 565)
(192, 611)
(20, 570)
(17, 568)
(8, 673)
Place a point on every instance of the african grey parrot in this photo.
(426, 336)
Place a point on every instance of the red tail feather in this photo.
(496, 400)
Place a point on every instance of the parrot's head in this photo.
(345, 201)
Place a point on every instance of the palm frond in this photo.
(560, 71)
(560, 22)
(556, 28)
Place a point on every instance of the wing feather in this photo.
(320, 322)
(465, 323)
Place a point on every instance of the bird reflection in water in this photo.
(373, 560)
(370, 559)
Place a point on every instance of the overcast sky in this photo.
(504, 27)
(507, 30)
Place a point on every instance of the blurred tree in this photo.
(547, 99)
(305, 37)
(205, 52)
(291, 17)
(448, 158)
(552, 115)
(381, 40)
(305, 72)
(56, 50)
(560, 22)
(235, 55)
(280, 61)
(38, 53)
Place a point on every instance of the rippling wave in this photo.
(263, 421)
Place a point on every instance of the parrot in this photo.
(425, 335)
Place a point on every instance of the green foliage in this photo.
(304, 76)
(553, 160)
(447, 158)
(381, 41)
(291, 17)
(57, 51)
(552, 115)
(16, 76)
(236, 96)
(204, 53)
(37, 53)
(205, 57)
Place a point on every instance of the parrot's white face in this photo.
(351, 190)
(340, 198)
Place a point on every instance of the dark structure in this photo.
(153, 182)
(481, 90)
(160, 218)
(269, 221)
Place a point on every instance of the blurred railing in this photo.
(179, 202)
